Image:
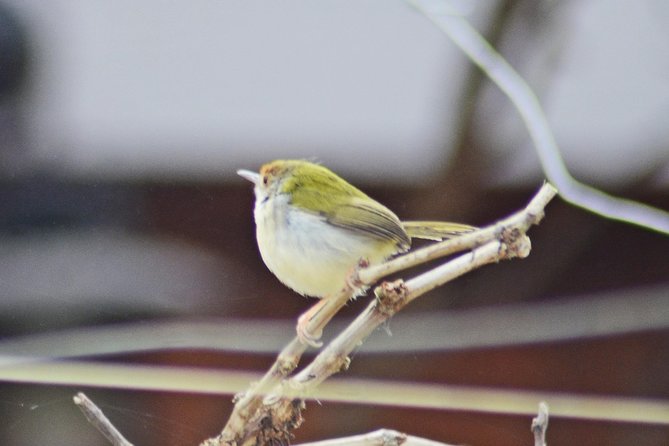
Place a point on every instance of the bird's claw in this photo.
(303, 334)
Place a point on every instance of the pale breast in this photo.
(306, 253)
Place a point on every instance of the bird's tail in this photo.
(435, 230)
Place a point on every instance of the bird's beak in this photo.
(253, 177)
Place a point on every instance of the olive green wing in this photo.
(342, 204)
(367, 216)
(435, 230)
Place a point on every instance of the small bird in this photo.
(313, 229)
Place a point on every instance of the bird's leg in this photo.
(355, 286)
(302, 328)
(352, 289)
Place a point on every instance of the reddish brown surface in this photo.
(573, 253)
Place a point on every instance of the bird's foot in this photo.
(305, 336)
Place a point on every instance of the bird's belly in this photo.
(310, 255)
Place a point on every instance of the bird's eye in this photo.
(265, 180)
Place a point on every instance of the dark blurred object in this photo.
(13, 54)
(38, 204)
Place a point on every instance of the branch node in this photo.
(393, 438)
(390, 297)
(346, 363)
(514, 242)
(534, 218)
(285, 366)
(337, 362)
(356, 286)
(275, 425)
(237, 397)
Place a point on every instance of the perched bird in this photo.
(313, 228)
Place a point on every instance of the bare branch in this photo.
(540, 424)
(381, 437)
(273, 419)
(508, 241)
(387, 437)
(391, 298)
(522, 221)
(95, 416)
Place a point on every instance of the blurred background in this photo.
(122, 125)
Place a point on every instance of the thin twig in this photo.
(514, 86)
(381, 437)
(388, 437)
(540, 424)
(522, 221)
(95, 416)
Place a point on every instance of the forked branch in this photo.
(271, 408)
